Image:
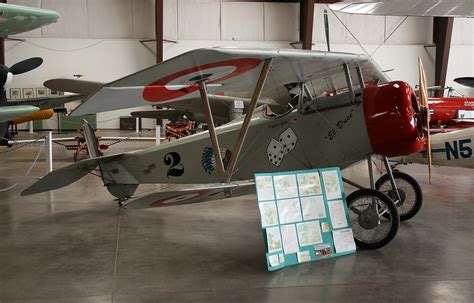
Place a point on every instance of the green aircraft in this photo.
(18, 19)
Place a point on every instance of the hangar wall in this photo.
(101, 39)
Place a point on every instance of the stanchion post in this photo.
(49, 152)
(137, 125)
(158, 134)
(30, 126)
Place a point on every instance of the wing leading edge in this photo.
(420, 8)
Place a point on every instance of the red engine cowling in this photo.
(391, 115)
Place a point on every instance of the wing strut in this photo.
(248, 117)
(227, 174)
(212, 130)
(360, 77)
(347, 73)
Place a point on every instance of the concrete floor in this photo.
(74, 245)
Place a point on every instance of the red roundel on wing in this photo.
(216, 72)
(178, 199)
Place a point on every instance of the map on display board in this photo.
(304, 216)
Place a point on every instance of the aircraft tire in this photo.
(411, 194)
(366, 222)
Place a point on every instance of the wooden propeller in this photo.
(425, 112)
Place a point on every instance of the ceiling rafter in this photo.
(306, 23)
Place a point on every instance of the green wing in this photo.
(11, 112)
(16, 19)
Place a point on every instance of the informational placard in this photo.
(304, 216)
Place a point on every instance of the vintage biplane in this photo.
(348, 126)
(451, 113)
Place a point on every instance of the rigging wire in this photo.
(353, 36)
(390, 35)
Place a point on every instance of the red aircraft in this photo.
(451, 113)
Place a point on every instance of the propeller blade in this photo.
(326, 29)
(425, 112)
(26, 65)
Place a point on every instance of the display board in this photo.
(304, 216)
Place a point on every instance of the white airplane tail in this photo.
(66, 175)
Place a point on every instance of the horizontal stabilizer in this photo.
(66, 175)
(198, 193)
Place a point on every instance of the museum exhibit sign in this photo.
(304, 216)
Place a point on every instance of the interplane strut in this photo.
(226, 175)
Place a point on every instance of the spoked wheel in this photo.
(374, 218)
(410, 193)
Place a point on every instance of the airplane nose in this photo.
(391, 113)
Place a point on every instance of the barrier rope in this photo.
(133, 135)
(29, 170)
(10, 149)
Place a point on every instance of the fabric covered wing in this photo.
(426, 8)
(228, 71)
(81, 87)
(66, 175)
(466, 81)
(192, 194)
(193, 109)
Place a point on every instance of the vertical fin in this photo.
(91, 140)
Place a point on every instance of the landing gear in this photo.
(411, 196)
(376, 213)
(374, 218)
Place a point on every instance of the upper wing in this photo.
(229, 71)
(427, 8)
(466, 81)
(16, 19)
(194, 110)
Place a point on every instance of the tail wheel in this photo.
(374, 218)
(409, 190)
